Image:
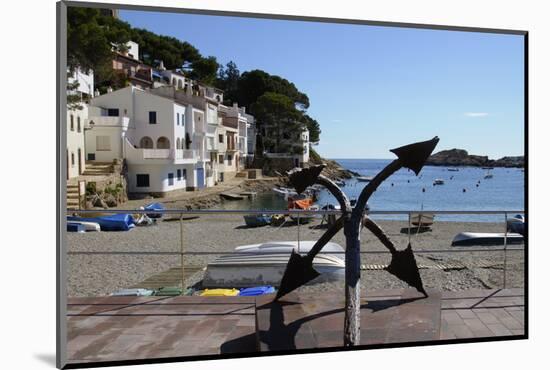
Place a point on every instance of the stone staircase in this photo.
(98, 169)
(72, 196)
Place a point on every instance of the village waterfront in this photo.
(206, 237)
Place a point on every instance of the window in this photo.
(179, 174)
(146, 143)
(170, 179)
(163, 143)
(72, 122)
(78, 124)
(220, 138)
(178, 119)
(178, 143)
(229, 159)
(112, 112)
(102, 143)
(184, 174)
(72, 159)
(142, 180)
(183, 119)
(152, 117)
(220, 159)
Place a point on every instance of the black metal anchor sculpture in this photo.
(300, 271)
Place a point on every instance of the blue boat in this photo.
(257, 220)
(75, 227)
(257, 290)
(155, 207)
(117, 222)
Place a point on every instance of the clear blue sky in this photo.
(375, 88)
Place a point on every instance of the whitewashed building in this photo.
(155, 134)
(299, 143)
(75, 153)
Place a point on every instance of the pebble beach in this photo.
(206, 237)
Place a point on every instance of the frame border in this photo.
(61, 143)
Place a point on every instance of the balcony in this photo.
(159, 156)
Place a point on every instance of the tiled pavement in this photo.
(133, 328)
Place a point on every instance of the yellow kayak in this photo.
(219, 293)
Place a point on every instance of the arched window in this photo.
(180, 85)
(72, 122)
(178, 143)
(146, 143)
(163, 143)
(78, 124)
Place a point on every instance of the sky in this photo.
(375, 88)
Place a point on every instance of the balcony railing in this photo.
(169, 153)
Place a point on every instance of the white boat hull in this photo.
(88, 226)
(468, 239)
(265, 264)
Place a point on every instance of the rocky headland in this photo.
(460, 157)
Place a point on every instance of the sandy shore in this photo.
(90, 275)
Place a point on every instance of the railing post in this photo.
(409, 227)
(299, 233)
(505, 247)
(181, 255)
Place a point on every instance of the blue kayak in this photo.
(257, 290)
(117, 222)
(155, 207)
(75, 227)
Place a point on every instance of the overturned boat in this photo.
(116, 222)
(468, 239)
(265, 263)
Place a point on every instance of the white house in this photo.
(155, 134)
(299, 141)
(76, 118)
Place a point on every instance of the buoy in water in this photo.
(423, 190)
(463, 190)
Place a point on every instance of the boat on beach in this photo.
(257, 220)
(155, 207)
(265, 263)
(88, 226)
(422, 219)
(116, 222)
(469, 239)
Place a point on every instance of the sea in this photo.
(464, 190)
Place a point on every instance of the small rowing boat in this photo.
(468, 239)
(364, 178)
(232, 196)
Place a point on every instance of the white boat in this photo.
(88, 226)
(364, 178)
(285, 192)
(439, 182)
(135, 292)
(488, 175)
(468, 239)
(422, 219)
(265, 264)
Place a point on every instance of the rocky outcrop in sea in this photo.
(460, 157)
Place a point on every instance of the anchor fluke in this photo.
(414, 156)
(302, 178)
(299, 271)
(403, 266)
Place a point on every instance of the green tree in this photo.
(228, 81)
(204, 70)
(279, 121)
(313, 127)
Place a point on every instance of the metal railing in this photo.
(181, 213)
